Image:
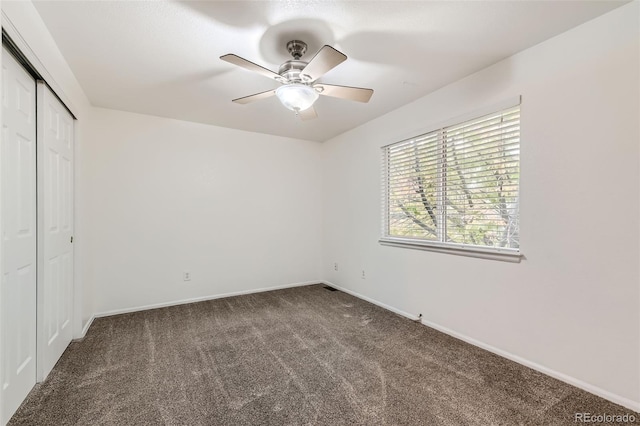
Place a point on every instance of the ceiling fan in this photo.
(299, 88)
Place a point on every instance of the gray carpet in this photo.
(301, 356)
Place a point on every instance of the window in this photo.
(455, 189)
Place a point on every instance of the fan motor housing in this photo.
(291, 71)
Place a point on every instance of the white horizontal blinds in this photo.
(456, 185)
(385, 191)
(413, 187)
(482, 173)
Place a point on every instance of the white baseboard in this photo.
(200, 299)
(375, 302)
(625, 402)
(85, 328)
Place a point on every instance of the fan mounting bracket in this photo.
(297, 48)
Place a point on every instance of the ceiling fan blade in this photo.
(345, 92)
(256, 97)
(248, 65)
(325, 60)
(308, 114)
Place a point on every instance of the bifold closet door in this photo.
(55, 226)
(19, 235)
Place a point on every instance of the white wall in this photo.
(572, 305)
(24, 25)
(239, 210)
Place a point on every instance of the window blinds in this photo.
(457, 185)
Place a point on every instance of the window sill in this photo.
(504, 255)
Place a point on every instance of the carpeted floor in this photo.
(301, 356)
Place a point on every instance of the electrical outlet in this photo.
(186, 276)
(362, 276)
(335, 266)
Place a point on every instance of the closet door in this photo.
(55, 224)
(18, 233)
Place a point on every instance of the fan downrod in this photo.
(297, 48)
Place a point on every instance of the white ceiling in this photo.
(161, 58)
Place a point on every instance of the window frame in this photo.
(484, 252)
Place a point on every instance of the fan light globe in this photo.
(296, 97)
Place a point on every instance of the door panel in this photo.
(18, 234)
(55, 193)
